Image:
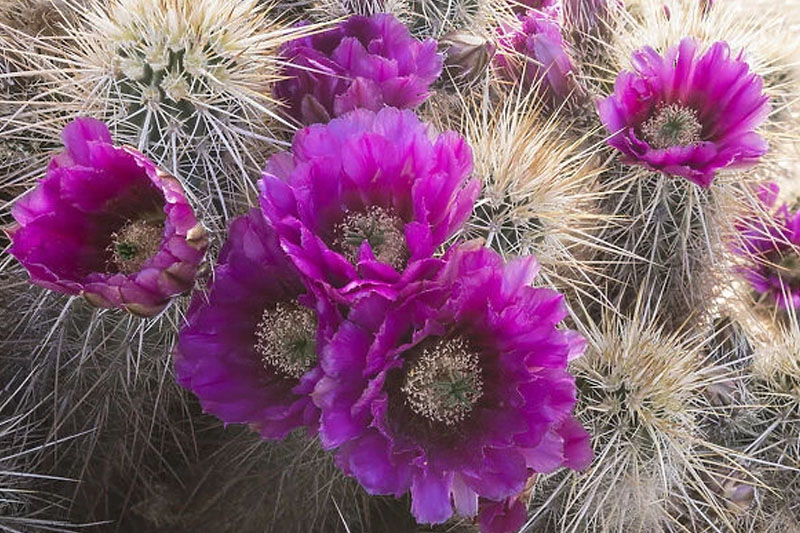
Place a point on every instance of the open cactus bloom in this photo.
(363, 63)
(456, 392)
(107, 224)
(249, 347)
(687, 114)
(771, 250)
(365, 200)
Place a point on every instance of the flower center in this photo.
(380, 228)
(287, 339)
(135, 243)
(445, 382)
(673, 125)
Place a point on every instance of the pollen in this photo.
(135, 243)
(287, 342)
(378, 227)
(673, 125)
(445, 381)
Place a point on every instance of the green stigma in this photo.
(126, 250)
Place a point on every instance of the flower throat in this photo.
(444, 382)
(673, 125)
(135, 243)
(380, 228)
(287, 339)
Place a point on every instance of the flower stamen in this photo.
(380, 228)
(444, 382)
(673, 125)
(135, 243)
(287, 339)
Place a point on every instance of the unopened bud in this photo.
(739, 495)
(722, 393)
(466, 56)
(730, 485)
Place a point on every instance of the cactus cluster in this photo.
(690, 381)
(186, 82)
(643, 393)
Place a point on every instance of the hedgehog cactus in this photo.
(760, 422)
(425, 18)
(435, 18)
(670, 239)
(185, 82)
(181, 70)
(641, 393)
(686, 155)
(540, 193)
(324, 9)
(585, 229)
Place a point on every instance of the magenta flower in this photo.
(773, 252)
(105, 223)
(365, 62)
(506, 516)
(687, 114)
(536, 53)
(362, 198)
(455, 391)
(249, 347)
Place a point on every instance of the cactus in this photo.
(641, 394)
(186, 82)
(325, 9)
(425, 18)
(435, 18)
(676, 237)
(689, 388)
(539, 191)
(762, 423)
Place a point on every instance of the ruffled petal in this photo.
(363, 63)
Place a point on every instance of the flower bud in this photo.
(466, 56)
